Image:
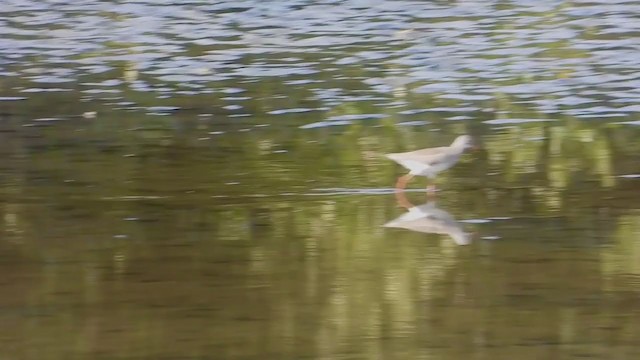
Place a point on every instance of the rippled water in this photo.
(206, 181)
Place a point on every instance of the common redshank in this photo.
(429, 162)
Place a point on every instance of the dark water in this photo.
(228, 198)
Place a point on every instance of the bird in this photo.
(428, 218)
(429, 162)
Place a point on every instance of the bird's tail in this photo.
(391, 156)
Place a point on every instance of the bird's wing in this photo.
(432, 156)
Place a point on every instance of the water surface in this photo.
(206, 181)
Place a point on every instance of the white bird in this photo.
(429, 162)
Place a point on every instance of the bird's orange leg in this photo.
(402, 181)
(431, 191)
(402, 200)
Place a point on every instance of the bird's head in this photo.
(463, 142)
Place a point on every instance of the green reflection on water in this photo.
(229, 236)
(120, 244)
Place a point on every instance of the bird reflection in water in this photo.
(428, 218)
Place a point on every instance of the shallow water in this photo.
(228, 198)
